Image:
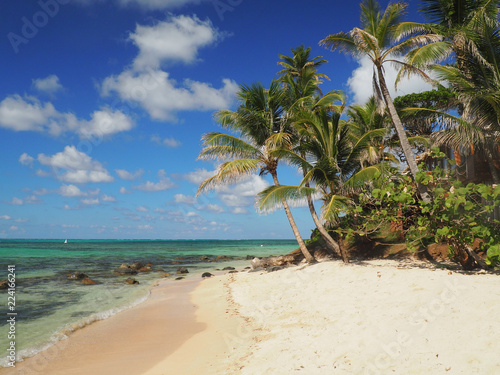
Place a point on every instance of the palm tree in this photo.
(301, 81)
(364, 118)
(469, 29)
(380, 38)
(331, 162)
(259, 124)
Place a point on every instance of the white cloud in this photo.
(214, 208)
(167, 142)
(360, 82)
(29, 114)
(74, 166)
(142, 209)
(108, 198)
(187, 199)
(25, 159)
(242, 193)
(198, 176)
(90, 201)
(31, 199)
(239, 211)
(162, 97)
(124, 191)
(48, 84)
(71, 191)
(5, 217)
(126, 175)
(164, 184)
(176, 39)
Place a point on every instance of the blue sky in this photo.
(103, 104)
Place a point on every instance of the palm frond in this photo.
(272, 197)
(225, 146)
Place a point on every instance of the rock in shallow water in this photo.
(206, 274)
(182, 270)
(131, 281)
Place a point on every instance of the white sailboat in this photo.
(65, 241)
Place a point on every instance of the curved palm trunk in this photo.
(300, 241)
(330, 242)
(403, 139)
(493, 170)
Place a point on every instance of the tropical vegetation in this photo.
(386, 161)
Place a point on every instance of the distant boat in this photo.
(65, 241)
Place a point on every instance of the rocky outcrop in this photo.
(124, 270)
(4, 284)
(182, 270)
(77, 276)
(206, 274)
(228, 268)
(88, 281)
(294, 258)
(131, 281)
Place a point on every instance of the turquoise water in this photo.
(50, 306)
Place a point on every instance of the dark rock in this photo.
(4, 284)
(206, 274)
(228, 268)
(145, 269)
(180, 278)
(77, 276)
(137, 266)
(182, 270)
(247, 268)
(124, 271)
(131, 281)
(233, 271)
(88, 281)
(249, 257)
(204, 257)
(222, 257)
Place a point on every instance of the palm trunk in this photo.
(403, 139)
(330, 242)
(300, 241)
(491, 164)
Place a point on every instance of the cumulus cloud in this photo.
(142, 209)
(126, 175)
(48, 84)
(186, 199)
(71, 191)
(164, 183)
(108, 198)
(360, 82)
(5, 217)
(162, 96)
(74, 166)
(90, 201)
(157, 4)
(25, 159)
(31, 199)
(177, 39)
(29, 114)
(167, 142)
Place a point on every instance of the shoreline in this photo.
(127, 341)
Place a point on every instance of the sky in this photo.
(103, 104)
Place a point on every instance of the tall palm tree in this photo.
(259, 124)
(331, 162)
(301, 81)
(469, 31)
(381, 39)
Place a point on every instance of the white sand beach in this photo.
(369, 317)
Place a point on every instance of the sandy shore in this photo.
(374, 317)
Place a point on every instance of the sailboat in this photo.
(65, 241)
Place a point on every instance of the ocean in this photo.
(47, 306)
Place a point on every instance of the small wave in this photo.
(66, 331)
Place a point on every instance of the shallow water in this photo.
(49, 306)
